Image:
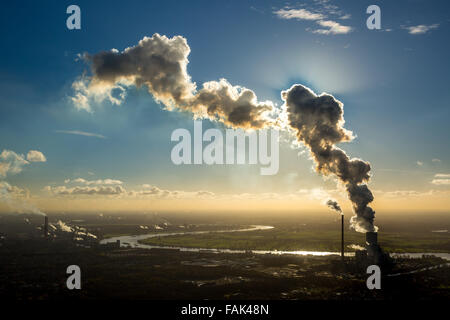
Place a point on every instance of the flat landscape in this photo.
(306, 240)
(32, 267)
(315, 235)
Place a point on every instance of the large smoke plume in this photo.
(160, 64)
(318, 122)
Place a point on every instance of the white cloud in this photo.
(333, 27)
(441, 181)
(36, 156)
(154, 191)
(401, 193)
(96, 182)
(436, 160)
(86, 190)
(11, 163)
(442, 175)
(6, 188)
(298, 14)
(419, 163)
(421, 28)
(110, 187)
(81, 133)
(320, 17)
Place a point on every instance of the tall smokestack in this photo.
(332, 204)
(342, 236)
(45, 226)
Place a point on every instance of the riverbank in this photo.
(262, 240)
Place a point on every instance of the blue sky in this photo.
(394, 86)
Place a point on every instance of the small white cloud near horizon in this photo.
(96, 182)
(435, 160)
(82, 133)
(36, 156)
(441, 179)
(419, 163)
(441, 182)
(86, 190)
(421, 28)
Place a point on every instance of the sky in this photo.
(58, 156)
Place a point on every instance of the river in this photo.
(133, 241)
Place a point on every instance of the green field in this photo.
(309, 240)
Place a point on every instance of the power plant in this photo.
(372, 254)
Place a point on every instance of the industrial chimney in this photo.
(371, 238)
(45, 227)
(373, 249)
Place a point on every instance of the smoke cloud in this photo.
(62, 227)
(160, 63)
(318, 121)
(355, 247)
(12, 163)
(332, 204)
(12, 197)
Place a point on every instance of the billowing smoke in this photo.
(333, 205)
(318, 121)
(13, 197)
(62, 227)
(160, 64)
(355, 247)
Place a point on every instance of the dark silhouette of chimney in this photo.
(371, 238)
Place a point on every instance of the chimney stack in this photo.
(45, 227)
(371, 238)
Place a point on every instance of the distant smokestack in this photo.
(45, 226)
(342, 236)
